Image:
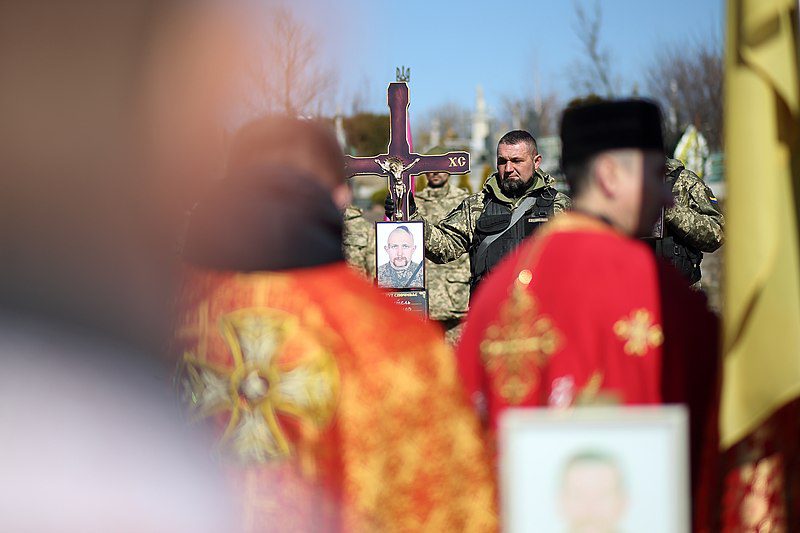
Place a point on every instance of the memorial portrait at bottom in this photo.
(603, 469)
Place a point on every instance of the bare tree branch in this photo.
(592, 73)
(290, 78)
(360, 96)
(454, 122)
(538, 115)
(686, 78)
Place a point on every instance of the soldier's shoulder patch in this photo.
(709, 193)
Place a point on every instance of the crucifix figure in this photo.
(394, 167)
(398, 160)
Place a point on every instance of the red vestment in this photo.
(581, 314)
(336, 411)
(755, 484)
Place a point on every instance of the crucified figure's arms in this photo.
(414, 162)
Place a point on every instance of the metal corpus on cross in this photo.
(398, 162)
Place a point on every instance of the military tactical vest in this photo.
(685, 258)
(495, 218)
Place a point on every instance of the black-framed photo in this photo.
(595, 469)
(399, 255)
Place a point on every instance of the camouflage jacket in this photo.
(358, 242)
(454, 234)
(448, 284)
(695, 220)
(401, 279)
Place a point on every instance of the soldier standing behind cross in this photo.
(448, 283)
(489, 224)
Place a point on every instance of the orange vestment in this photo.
(336, 411)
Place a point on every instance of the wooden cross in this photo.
(398, 161)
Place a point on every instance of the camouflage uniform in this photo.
(358, 240)
(694, 222)
(400, 279)
(448, 284)
(455, 234)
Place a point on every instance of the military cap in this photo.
(607, 125)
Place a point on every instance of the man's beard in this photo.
(400, 260)
(513, 188)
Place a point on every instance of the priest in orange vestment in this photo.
(335, 410)
(583, 313)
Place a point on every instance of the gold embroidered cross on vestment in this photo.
(260, 383)
(639, 332)
(518, 343)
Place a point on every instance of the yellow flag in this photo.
(761, 338)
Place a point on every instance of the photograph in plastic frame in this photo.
(399, 255)
(595, 469)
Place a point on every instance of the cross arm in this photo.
(355, 166)
(451, 162)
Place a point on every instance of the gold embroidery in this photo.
(401, 468)
(591, 393)
(588, 394)
(639, 332)
(278, 367)
(517, 344)
(387, 451)
(760, 508)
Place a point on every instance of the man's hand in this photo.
(389, 206)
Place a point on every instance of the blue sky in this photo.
(452, 47)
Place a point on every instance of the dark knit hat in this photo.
(595, 127)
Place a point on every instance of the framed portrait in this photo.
(595, 468)
(399, 255)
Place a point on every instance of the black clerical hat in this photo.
(607, 125)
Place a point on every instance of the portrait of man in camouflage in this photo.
(400, 271)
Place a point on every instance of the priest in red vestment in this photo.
(335, 410)
(583, 313)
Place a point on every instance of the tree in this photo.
(360, 96)
(592, 73)
(451, 120)
(537, 115)
(686, 78)
(367, 133)
(290, 78)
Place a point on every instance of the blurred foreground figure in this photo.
(583, 313)
(91, 439)
(316, 383)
